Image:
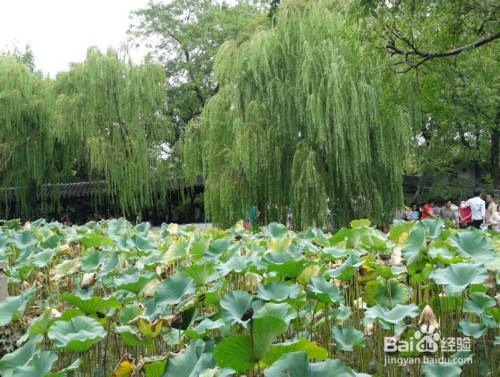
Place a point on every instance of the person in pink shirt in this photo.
(465, 215)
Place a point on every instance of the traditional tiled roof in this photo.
(86, 189)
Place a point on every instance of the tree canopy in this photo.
(302, 120)
(101, 115)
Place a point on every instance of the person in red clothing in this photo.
(427, 211)
(465, 215)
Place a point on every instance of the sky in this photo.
(60, 31)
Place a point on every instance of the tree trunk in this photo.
(494, 154)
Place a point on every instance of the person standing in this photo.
(427, 211)
(412, 214)
(448, 213)
(495, 220)
(477, 207)
(491, 208)
(437, 207)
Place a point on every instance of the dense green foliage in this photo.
(100, 116)
(303, 114)
(183, 36)
(213, 302)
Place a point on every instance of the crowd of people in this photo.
(471, 212)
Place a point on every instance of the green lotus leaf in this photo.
(93, 260)
(399, 229)
(461, 355)
(133, 281)
(390, 293)
(394, 316)
(77, 334)
(178, 250)
(497, 341)
(142, 227)
(415, 241)
(12, 308)
(441, 369)
(20, 357)
(199, 246)
(200, 331)
(173, 288)
(283, 311)
(115, 225)
(151, 261)
(64, 268)
(51, 242)
(194, 360)
(41, 364)
(94, 240)
(477, 303)
(296, 364)
(237, 264)
(347, 338)
(475, 330)
(141, 243)
(291, 268)
(335, 253)
(236, 303)
(280, 244)
(444, 254)
(236, 351)
(39, 326)
(312, 350)
(112, 265)
(64, 372)
(275, 230)
(146, 327)
(24, 240)
(130, 337)
(212, 295)
(278, 291)
(129, 312)
(323, 291)
(42, 259)
(154, 366)
(91, 304)
(218, 246)
(433, 227)
(347, 269)
(202, 274)
(121, 242)
(494, 313)
(473, 245)
(457, 277)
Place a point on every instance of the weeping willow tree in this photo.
(303, 121)
(101, 116)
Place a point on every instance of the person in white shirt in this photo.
(477, 207)
(495, 220)
(491, 207)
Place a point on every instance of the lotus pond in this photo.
(113, 299)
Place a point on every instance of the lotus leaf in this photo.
(133, 281)
(275, 230)
(64, 372)
(432, 227)
(24, 240)
(283, 311)
(236, 303)
(347, 338)
(42, 259)
(291, 268)
(93, 260)
(312, 349)
(415, 241)
(237, 264)
(475, 330)
(390, 293)
(94, 240)
(473, 245)
(477, 303)
(12, 308)
(203, 328)
(278, 291)
(323, 291)
(77, 334)
(178, 250)
(296, 364)
(141, 243)
(20, 357)
(237, 352)
(130, 337)
(64, 268)
(204, 273)
(146, 327)
(173, 288)
(394, 316)
(91, 304)
(457, 277)
(441, 369)
(41, 364)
